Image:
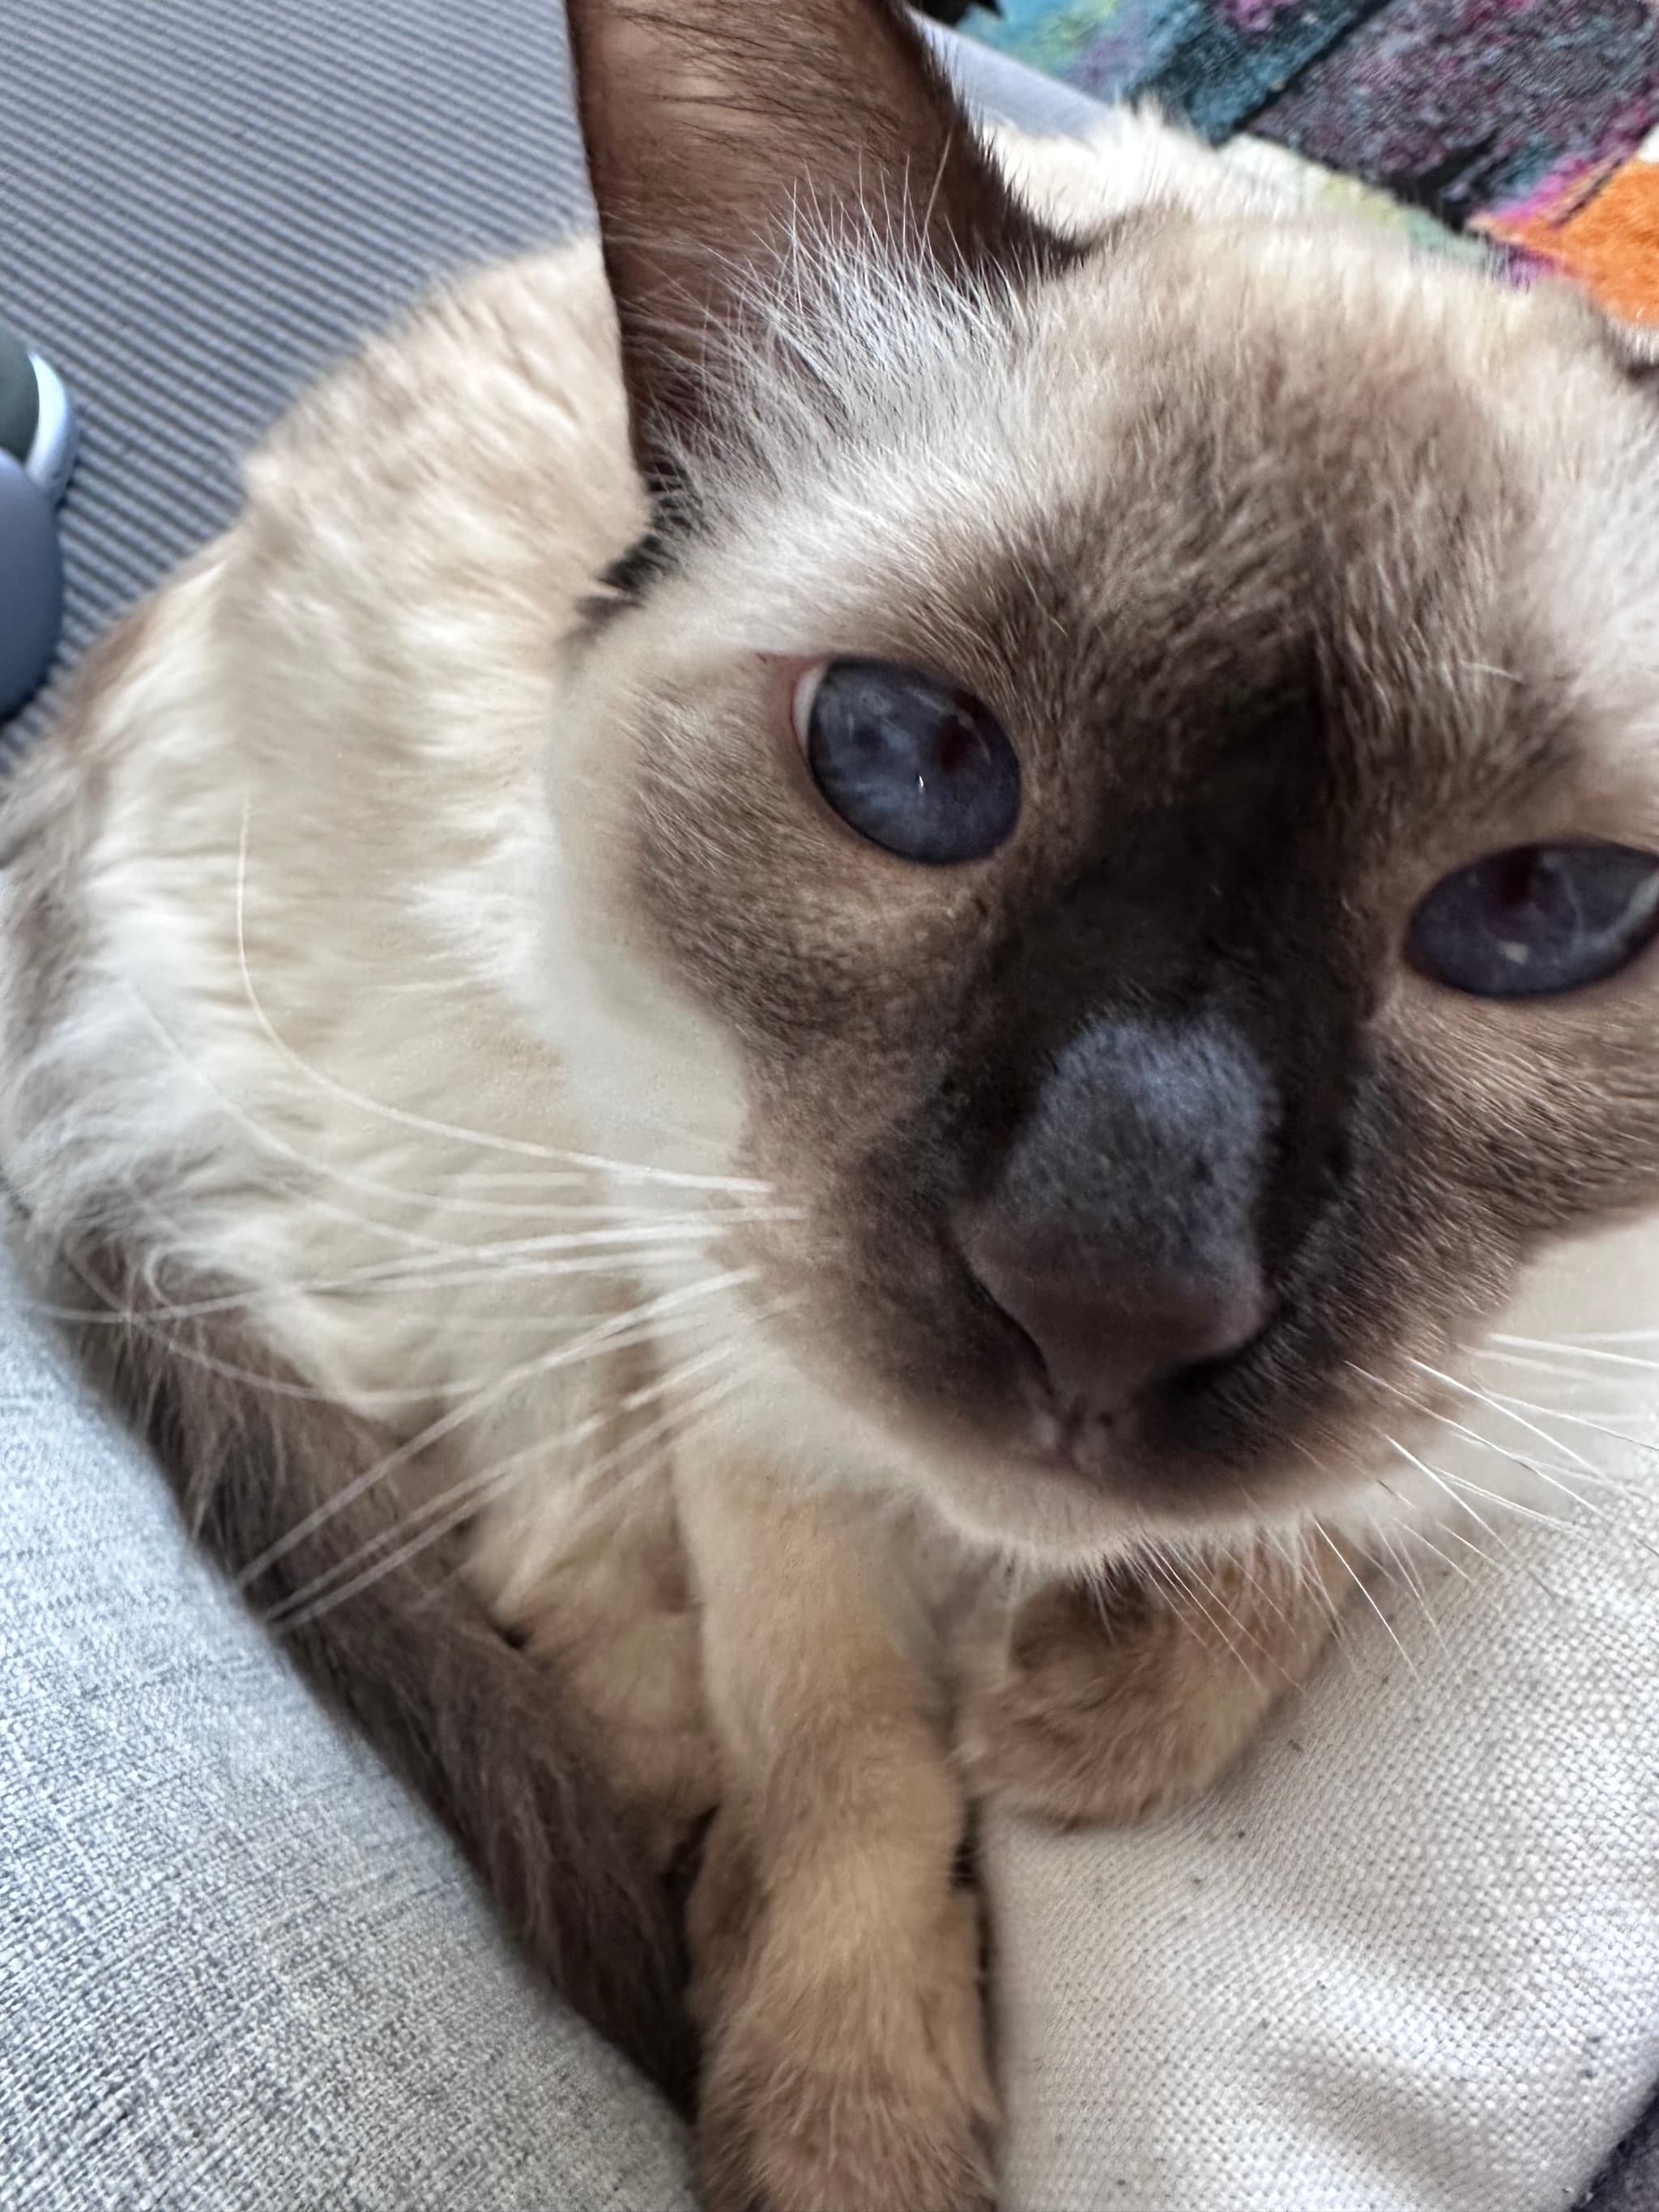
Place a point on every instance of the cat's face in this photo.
(1041, 765)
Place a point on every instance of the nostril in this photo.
(1105, 1343)
(1241, 1314)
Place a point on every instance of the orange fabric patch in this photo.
(1610, 243)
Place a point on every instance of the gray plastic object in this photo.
(50, 455)
(31, 585)
(37, 452)
(19, 397)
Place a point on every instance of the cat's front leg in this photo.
(591, 1579)
(836, 1967)
(1102, 1703)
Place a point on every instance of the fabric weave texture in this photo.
(1528, 125)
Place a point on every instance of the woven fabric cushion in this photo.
(1406, 1958)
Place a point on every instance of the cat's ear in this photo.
(714, 127)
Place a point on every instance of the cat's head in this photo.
(1122, 778)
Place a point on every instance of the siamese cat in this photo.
(769, 1032)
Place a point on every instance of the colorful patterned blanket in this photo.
(1528, 125)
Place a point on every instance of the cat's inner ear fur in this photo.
(1636, 346)
(1633, 347)
(719, 133)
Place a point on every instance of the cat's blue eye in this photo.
(1537, 919)
(916, 765)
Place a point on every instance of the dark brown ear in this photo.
(712, 124)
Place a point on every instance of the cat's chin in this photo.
(1042, 1504)
(1009, 1482)
(1039, 1507)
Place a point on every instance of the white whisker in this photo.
(1441, 1481)
(1558, 1370)
(1576, 1338)
(1190, 1585)
(138, 1319)
(608, 1336)
(1582, 1469)
(1486, 1444)
(647, 1226)
(1462, 1482)
(1580, 1351)
(461, 1500)
(464, 1202)
(1360, 1585)
(1580, 1421)
(1261, 1584)
(378, 1274)
(1481, 1397)
(473, 1485)
(1400, 1563)
(1447, 1528)
(1415, 1532)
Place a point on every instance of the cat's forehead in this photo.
(1202, 498)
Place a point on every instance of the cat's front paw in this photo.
(844, 2066)
(1104, 1706)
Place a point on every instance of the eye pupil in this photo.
(916, 765)
(1518, 878)
(1537, 920)
(956, 743)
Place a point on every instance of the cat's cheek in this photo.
(1541, 1114)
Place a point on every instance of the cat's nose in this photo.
(1121, 1230)
(1106, 1345)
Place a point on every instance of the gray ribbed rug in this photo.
(202, 203)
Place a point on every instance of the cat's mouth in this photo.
(1067, 1412)
(1061, 1507)
(1150, 1412)
(1010, 1462)
(1088, 1432)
